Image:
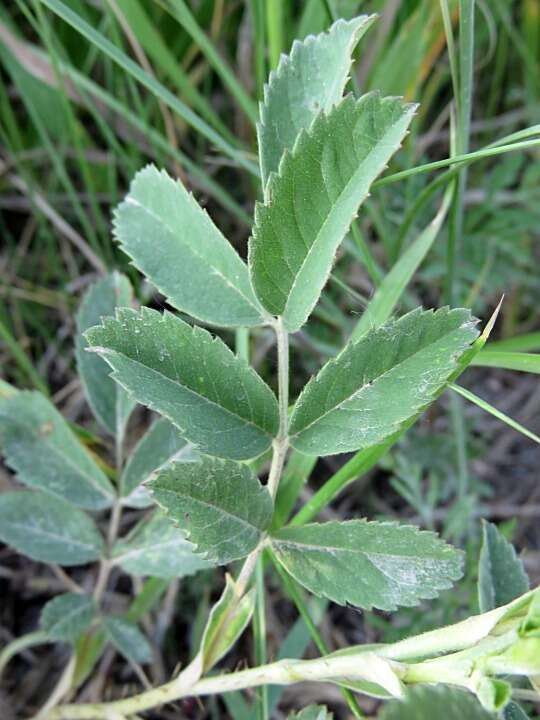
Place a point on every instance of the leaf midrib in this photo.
(377, 379)
(132, 201)
(32, 530)
(334, 209)
(104, 351)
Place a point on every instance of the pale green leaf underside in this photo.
(108, 401)
(127, 639)
(67, 617)
(309, 80)
(42, 449)
(173, 241)
(375, 385)
(227, 621)
(220, 503)
(368, 564)
(427, 703)
(157, 447)
(501, 576)
(313, 712)
(314, 198)
(48, 529)
(215, 399)
(157, 547)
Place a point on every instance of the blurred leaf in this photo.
(157, 547)
(221, 503)
(126, 637)
(157, 447)
(426, 703)
(67, 616)
(368, 564)
(514, 712)
(310, 80)
(39, 445)
(501, 575)
(381, 381)
(109, 402)
(173, 241)
(48, 529)
(215, 399)
(313, 712)
(315, 197)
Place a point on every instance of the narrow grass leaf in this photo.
(390, 290)
(67, 617)
(42, 449)
(508, 360)
(487, 407)
(109, 402)
(161, 444)
(377, 384)
(368, 564)
(126, 637)
(173, 241)
(222, 505)
(48, 529)
(215, 399)
(309, 80)
(501, 575)
(157, 547)
(313, 200)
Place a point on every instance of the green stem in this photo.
(259, 633)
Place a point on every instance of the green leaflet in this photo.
(39, 445)
(157, 447)
(227, 621)
(313, 712)
(48, 529)
(501, 576)
(378, 383)
(314, 198)
(427, 703)
(222, 505)
(127, 639)
(368, 564)
(157, 547)
(173, 241)
(514, 712)
(108, 401)
(215, 399)
(67, 616)
(309, 80)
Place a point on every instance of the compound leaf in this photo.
(222, 504)
(215, 399)
(48, 529)
(376, 384)
(314, 198)
(158, 548)
(368, 564)
(157, 447)
(173, 241)
(42, 449)
(309, 80)
(501, 576)
(108, 401)
(426, 703)
(67, 617)
(126, 637)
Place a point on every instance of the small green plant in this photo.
(220, 423)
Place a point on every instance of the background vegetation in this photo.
(92, 91)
